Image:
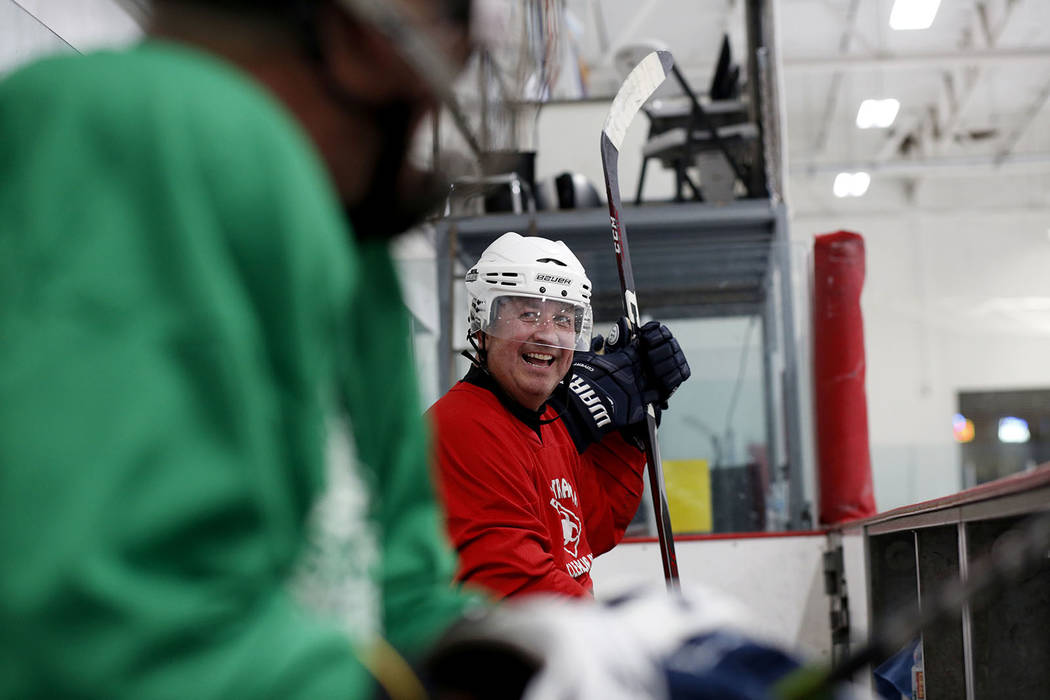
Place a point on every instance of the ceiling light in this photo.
(861, 181)
(851, 184)
(877, 113)
(1013, 429)
(842, 184)
(913, 14)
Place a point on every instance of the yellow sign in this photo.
(688, 485)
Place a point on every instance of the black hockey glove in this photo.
(663, 360)
(605, 392)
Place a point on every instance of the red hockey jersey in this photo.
(526, 512)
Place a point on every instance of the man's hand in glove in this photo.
(662, 357)
(610, 391)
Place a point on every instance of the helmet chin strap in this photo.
(480, 360)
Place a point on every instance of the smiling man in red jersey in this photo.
(537, 448)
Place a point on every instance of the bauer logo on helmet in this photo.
(553, 278)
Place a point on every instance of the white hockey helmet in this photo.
(536, 271)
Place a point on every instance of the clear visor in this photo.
(545, 321)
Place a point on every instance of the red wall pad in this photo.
(846, 489)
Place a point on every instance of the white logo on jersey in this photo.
(332, 576)
(570, 527)
(561, 489)
(578, 567)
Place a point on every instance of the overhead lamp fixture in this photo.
(877, 113)
(913, 14)
(1012, 429)
(851, 184)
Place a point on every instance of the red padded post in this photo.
(846, 490)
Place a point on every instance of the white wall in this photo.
(33, 28)
(569, 134)
(952, 302)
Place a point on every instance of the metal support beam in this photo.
(756, 21)
(793, 408)
(966, 97)
(1022, 125)
(774, 404)
(935, 128)
(967, 611)
(824, 215)
(982, 166)
(444, 235)
(983, 23)
(916, 61)
(835, 89)
(906, 126)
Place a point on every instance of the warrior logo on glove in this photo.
(591, 400)
(612, 390)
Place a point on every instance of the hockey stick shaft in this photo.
(638, 87)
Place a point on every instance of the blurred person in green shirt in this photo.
(212, 461)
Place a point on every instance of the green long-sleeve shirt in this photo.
(185, 324)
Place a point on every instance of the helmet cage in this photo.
(546, 321)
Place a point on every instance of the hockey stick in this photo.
(636, 89)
